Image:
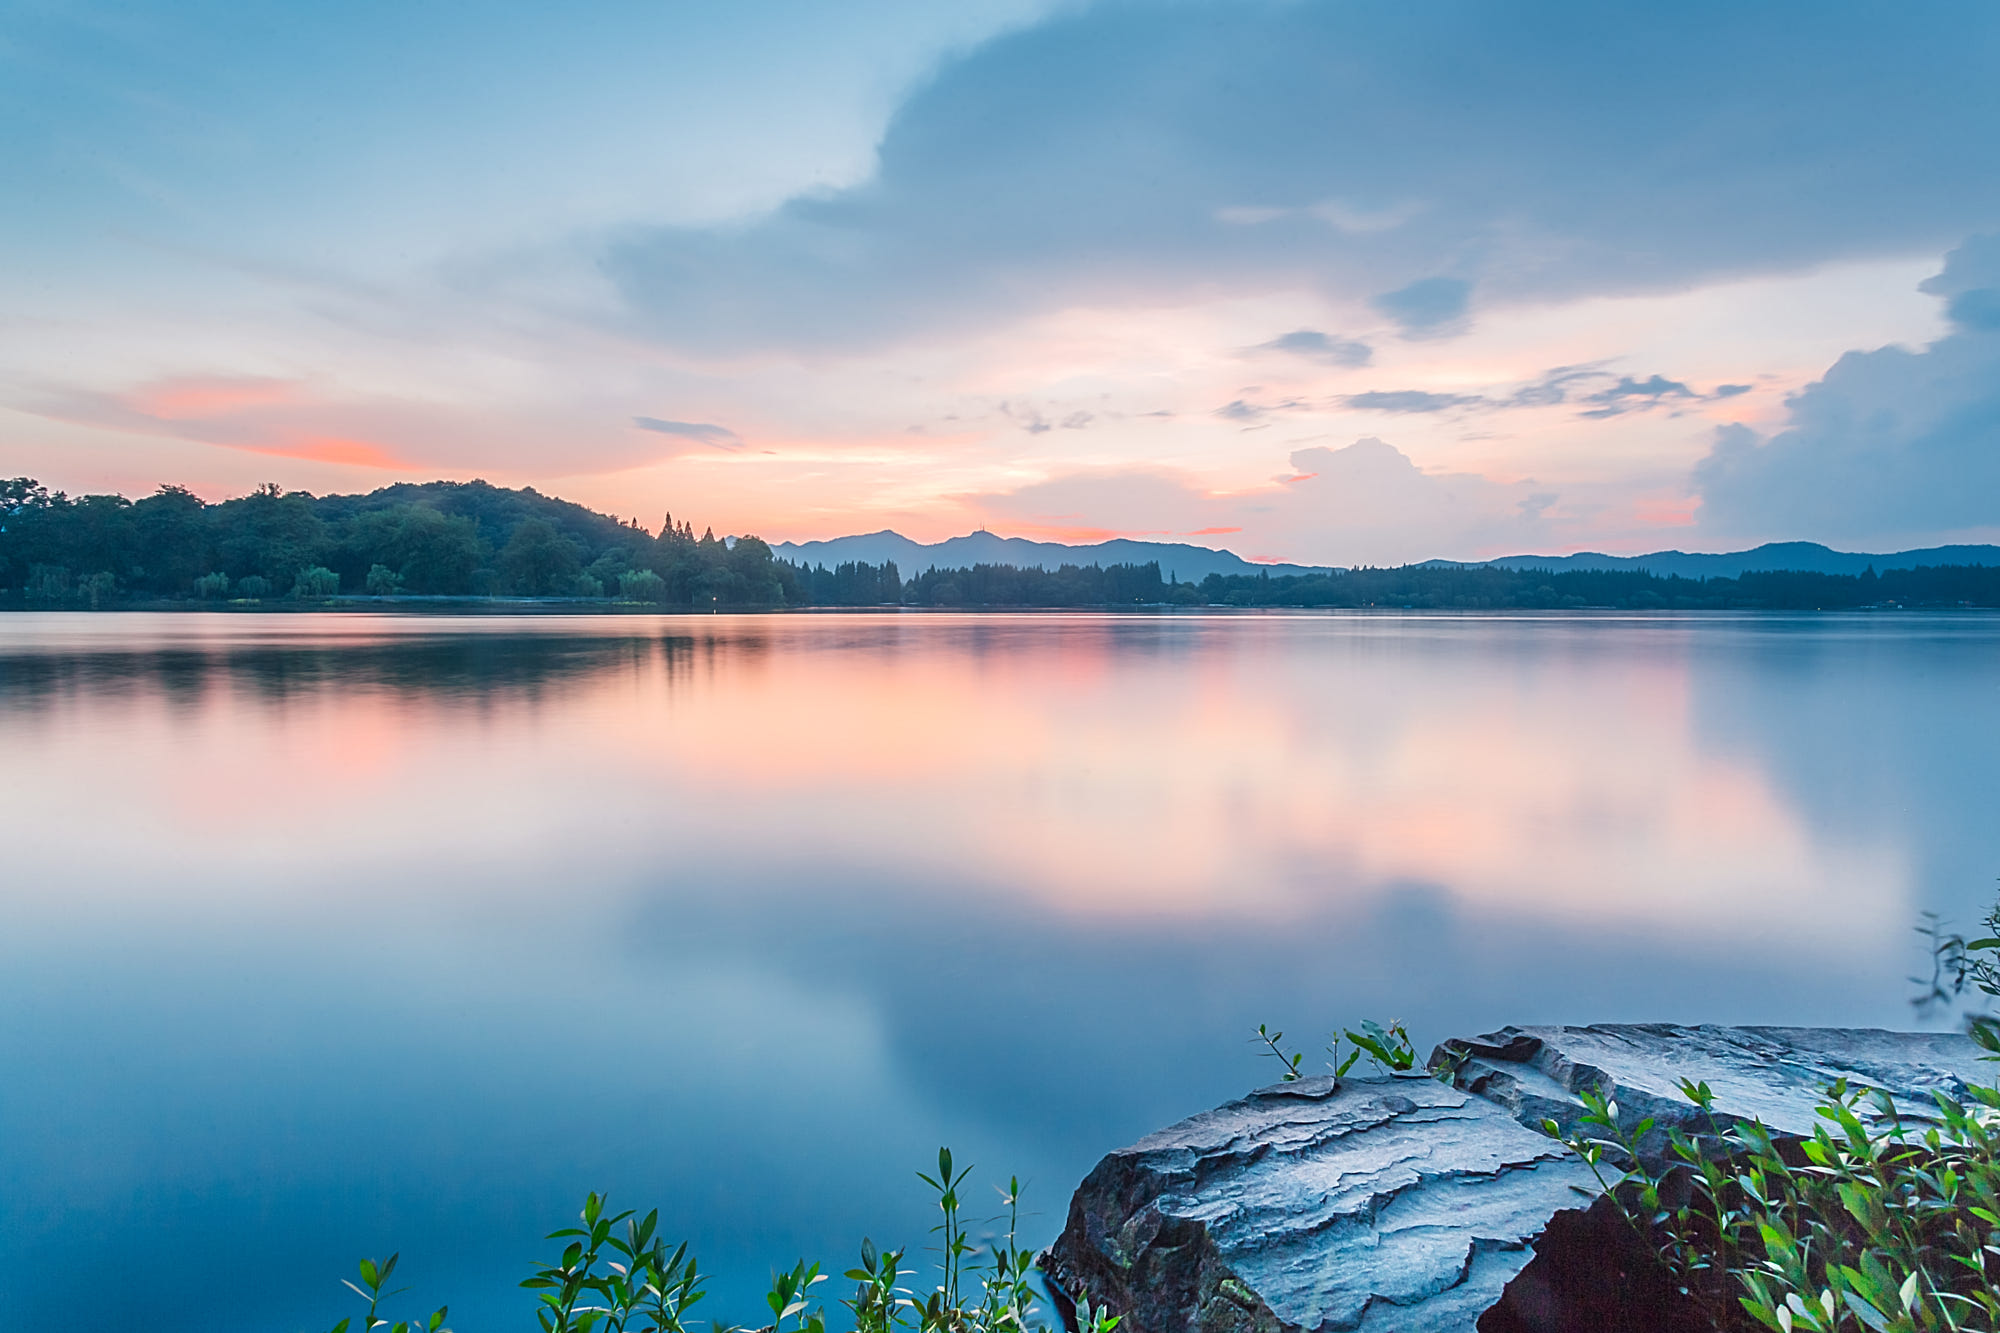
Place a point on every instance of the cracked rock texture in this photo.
(1405, 1203)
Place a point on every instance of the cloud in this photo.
(1970, 284)
(1564, 384)
(701, 432)
(1410, 400)
(1428, 307)
(321, 424)
(1364, 503)
(1242, 409)
(1145, 154)
(1629, 394)
(1892, 447)
(1317, 346)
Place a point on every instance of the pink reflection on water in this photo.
(1080, 766)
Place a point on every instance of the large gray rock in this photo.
(1408, 1204)
(1776, 1075)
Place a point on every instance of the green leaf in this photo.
(1867, 1313)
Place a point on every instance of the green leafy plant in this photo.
(1959, 965)
(1870, 1222)
(643, 1288)
(1271, 1042)
(1007, 1292)
(374, 1276)
(1095, 1318)
(790, 1298)
(1388, 1048)
(878, 1303)
(616, 1275)
(952, 1252)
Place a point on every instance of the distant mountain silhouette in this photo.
(1178, 560)
(1804, 557)
(1191, 564)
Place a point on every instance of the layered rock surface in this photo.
(1407, 1204)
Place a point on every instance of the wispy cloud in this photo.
(1629, 395)
(1599, 392)
(1412, 400)
(701, 432)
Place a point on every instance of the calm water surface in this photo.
(330, 935)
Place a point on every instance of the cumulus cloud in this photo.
(1365, 503)
(1318, 346)
(1181, 150)
(1892, 447)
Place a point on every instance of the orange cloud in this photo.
(1213, 532)
(328, 449)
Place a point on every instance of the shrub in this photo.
(1868, 1223)
(47, 583)
(253, 586)
(98, 588)
(383, 581)
(211, 586)
(642, 585)
(315, 583)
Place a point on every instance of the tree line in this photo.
(1484, 587)
(473, 539)
(438, 539)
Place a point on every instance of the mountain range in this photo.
(1804, 557)
(1191, 564)
(1178, 560)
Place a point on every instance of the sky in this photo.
(1319, 281)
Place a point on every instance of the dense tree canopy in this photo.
(441, 539)
(472, 539)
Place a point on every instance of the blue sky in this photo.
(1319, 281)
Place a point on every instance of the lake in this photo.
(330, 935)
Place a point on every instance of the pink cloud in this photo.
(198, 397)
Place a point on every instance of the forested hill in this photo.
(442, 538)
(472, 539)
